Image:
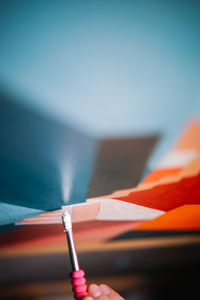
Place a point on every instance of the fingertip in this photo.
(88, 298)
(105, 289)
(110, 293)
(94, 290)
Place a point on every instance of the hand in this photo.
(102, 292)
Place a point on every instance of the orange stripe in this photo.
(161, 173)
(186, 217)
(190, 138)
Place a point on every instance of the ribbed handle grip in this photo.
(79, 284)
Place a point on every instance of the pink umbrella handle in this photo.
(79, 284)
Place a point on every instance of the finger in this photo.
(110, 293)
(95, 292)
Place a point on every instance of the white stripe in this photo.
(117, 210)
(178, 158)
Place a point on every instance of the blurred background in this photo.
(111, 68)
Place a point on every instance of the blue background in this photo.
(109, 66)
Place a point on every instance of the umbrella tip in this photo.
(66, 218)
